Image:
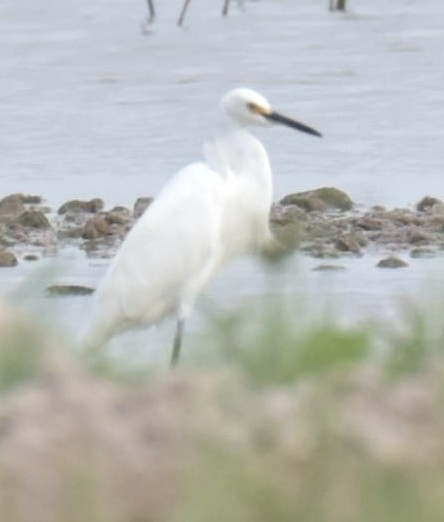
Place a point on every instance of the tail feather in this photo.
(96, 335)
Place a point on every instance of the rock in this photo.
(436, 222)
(7, 241)
(12, 204)
(392, 262)
(348, 243)
(417, 236)
(30, 257)
(323, 228)
(370, 223)
(75, 205)
(68, 290)
(141, 205)
(321, 250)
(17, 233)
(320, 199)
(33, 219)
(29, 199)
(118, 216)
(419, 253)
(312, 221)
(427, 203)
(7, 259)
(95, 227)
(328, 268)
(281, 215)
(403, 217)
(15, 203)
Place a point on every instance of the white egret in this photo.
(205, 215)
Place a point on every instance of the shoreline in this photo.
(323, 223)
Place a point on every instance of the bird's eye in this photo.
(254, 107)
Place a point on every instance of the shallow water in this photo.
(92, 107)
(359, 294)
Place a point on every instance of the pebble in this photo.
(76, 205)
(392, 262)
(328, 268)
(7, 259)
(33, 219)
(69, 290)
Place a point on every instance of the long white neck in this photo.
(232, 149)
(241, 159)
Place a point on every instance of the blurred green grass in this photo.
(266, 420)
(278, 352)
(22, 352)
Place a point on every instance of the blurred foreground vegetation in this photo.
(266, 421)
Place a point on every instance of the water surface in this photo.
(92, 107)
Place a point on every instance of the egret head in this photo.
(248, 107)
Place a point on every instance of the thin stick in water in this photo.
(225, 7)
(151, 10)
(183, 12)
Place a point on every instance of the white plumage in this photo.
(205, 215)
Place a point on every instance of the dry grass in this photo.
(286, 426)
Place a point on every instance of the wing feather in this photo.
(166, 251)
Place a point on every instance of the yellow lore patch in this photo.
(258, 109)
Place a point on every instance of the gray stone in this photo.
(320, 199)
(420, 253)
(348, 243)
(328, 268)
(12, 204)
(69, 290)
(31, 257)
(392, 262)
(428, 203)
(33, 219)
(96, 227)
(7, 259)
(141, 205)
(75, 205)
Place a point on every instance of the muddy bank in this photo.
(324, 223)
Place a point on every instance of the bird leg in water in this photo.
(177, 342)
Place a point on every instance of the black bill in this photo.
(279, 118)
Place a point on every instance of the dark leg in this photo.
(177, 343)
(183, 12)
(225, 7)
(151, 11)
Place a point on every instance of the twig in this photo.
(225, 7)
(183, 12)
(151, 10)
